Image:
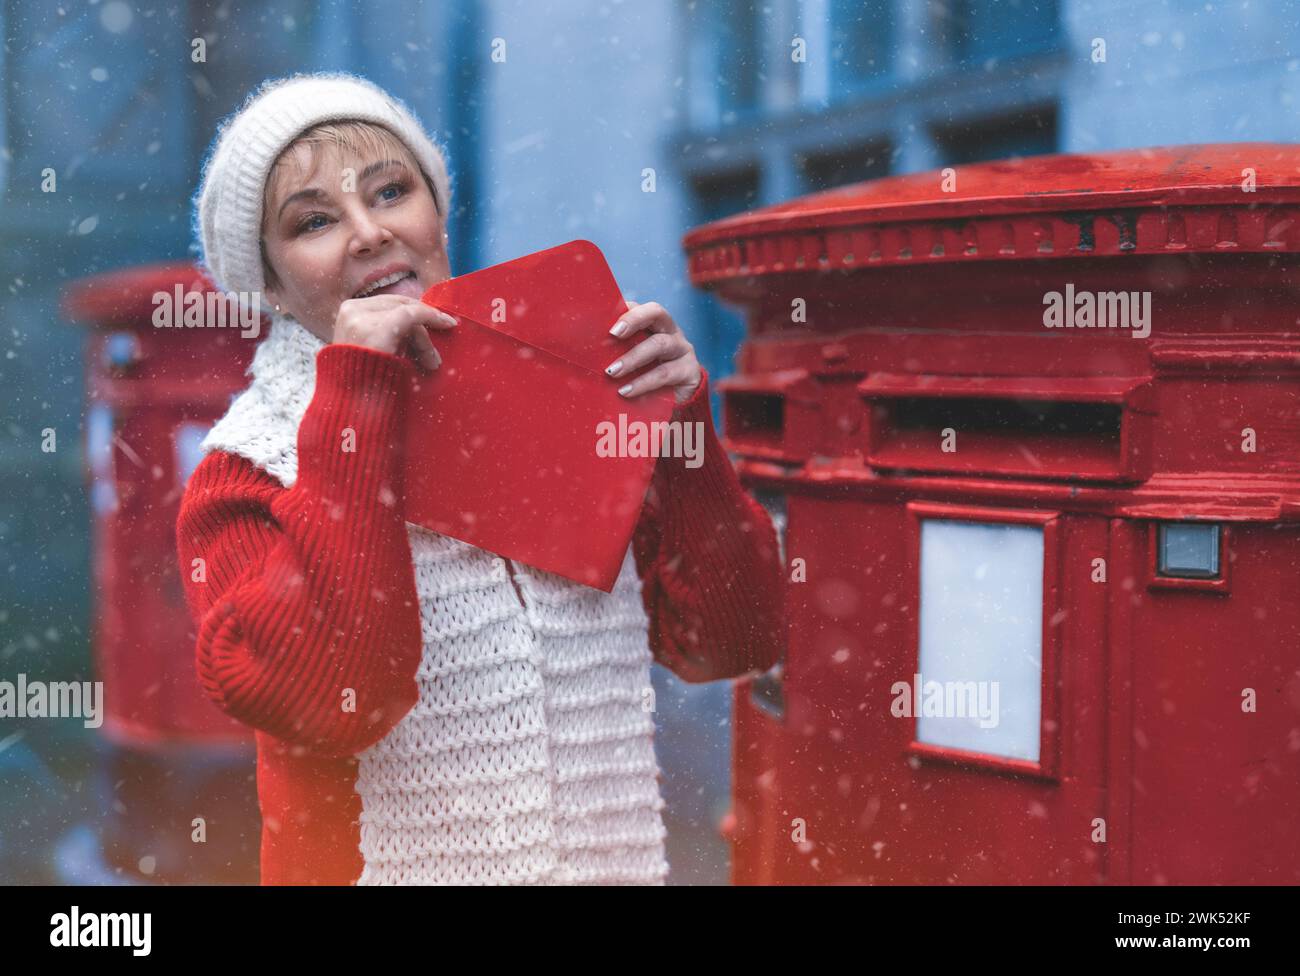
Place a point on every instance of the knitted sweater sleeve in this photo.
(706, 552)
(305, 598)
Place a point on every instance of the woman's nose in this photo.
(368, 232)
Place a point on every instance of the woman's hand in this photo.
(391, 324)
(678, 368)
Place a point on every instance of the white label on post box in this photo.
(188, 455)
(99, 456)
(981, 655)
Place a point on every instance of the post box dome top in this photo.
(1238, 197)
(124, 297)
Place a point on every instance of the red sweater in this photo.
(309, 590)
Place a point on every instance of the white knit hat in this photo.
(228, 205)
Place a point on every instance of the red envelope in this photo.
(501, 440)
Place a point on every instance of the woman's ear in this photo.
(270, 294)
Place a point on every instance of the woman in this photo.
(427, 712)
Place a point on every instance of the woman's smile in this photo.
(399, 281)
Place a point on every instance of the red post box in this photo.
(1029, 430)
(171, 754)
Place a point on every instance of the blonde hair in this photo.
(361, 138)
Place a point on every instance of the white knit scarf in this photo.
(529, 756)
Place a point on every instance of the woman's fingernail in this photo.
(451, 320)
(622, 390)
(613, 368)
(618, 329)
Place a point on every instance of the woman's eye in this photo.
(305, 224)
(308, 224)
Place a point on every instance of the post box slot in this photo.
(1013, 417)
(1044, 437)
(1017, 427)
(756, 416)
(756, 412)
